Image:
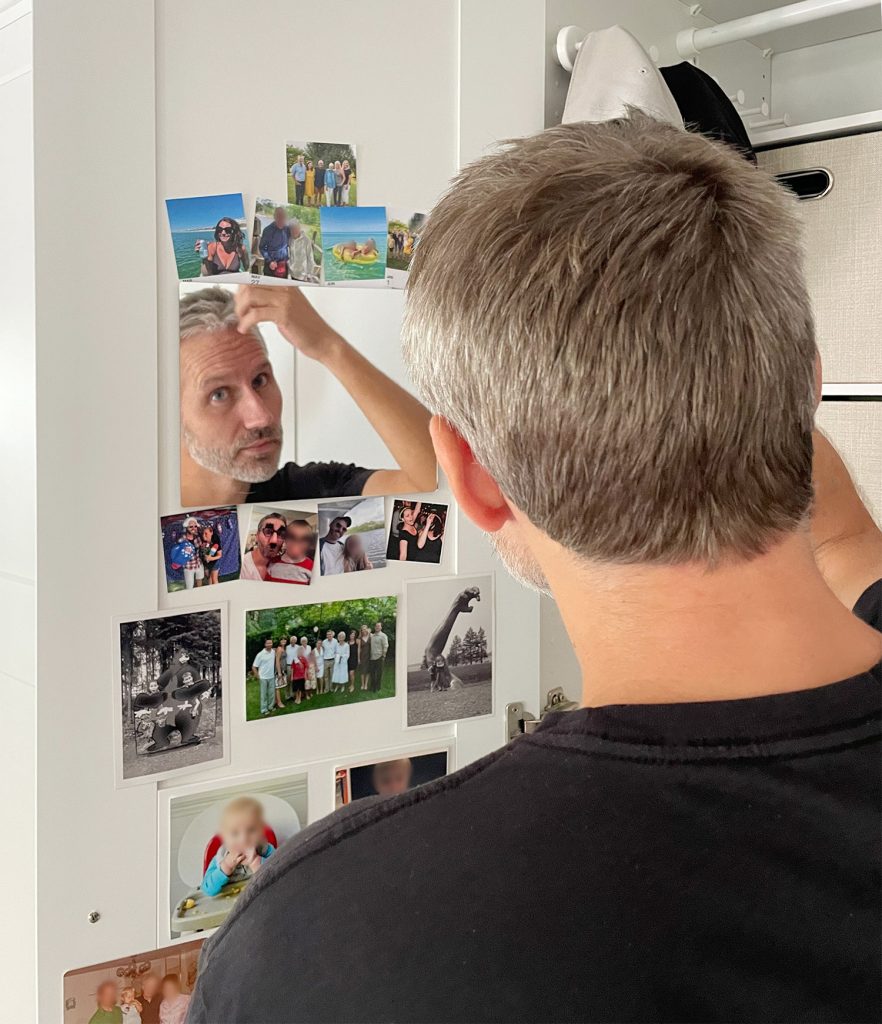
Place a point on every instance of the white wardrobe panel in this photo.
(843, 240)
(855, 427)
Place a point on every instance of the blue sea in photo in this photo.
(194, 218)
(359, 223)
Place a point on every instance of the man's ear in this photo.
(475, 490)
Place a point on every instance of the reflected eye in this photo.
(261, 380)
(219, 395)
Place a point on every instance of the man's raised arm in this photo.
(846, 539)
(400, 419)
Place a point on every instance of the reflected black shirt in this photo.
(313, 480)
(714, 861)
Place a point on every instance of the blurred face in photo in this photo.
(391, 777)
(297, 539)
(231, 405)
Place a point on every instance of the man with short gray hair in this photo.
(621, 363)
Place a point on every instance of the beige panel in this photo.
(855, 428)
(843, 237)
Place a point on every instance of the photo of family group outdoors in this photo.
(286, 242)
(351, 535)
(449, 649)
(402, 238)
(416, 532)
(169, 705)
(321, 174)
(147, 988)
(217, 839)
(353, 251)
(200, 548)
(209, 235)
(280, 546)
(388, 778)
(319, 655)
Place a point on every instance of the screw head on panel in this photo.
(94, 917)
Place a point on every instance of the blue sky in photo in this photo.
(204, 211)
(359, 221)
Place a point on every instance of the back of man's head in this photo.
(614, 317)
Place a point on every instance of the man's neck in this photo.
(199, 486)
(659, 634)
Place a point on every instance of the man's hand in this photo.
(292, 313)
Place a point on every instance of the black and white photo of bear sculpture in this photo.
(173, 703)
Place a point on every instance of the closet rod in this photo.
(691, 41)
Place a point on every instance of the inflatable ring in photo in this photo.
(348, 258)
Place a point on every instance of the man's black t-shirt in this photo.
(313, 480)
(712, 861)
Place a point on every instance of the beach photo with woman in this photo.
(416, 531)
(209, 235)
(200, 548)
(280, 546)
(306, 657)
(286, 242)
(351, 537)
(321, 174)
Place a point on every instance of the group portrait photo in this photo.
(313, 656)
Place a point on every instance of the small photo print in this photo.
(280, 546)
(152, 986)
(219, 838)
(388, 778)
(200, 548)
(416, 532)
(170, 710)
(319, 656)
(321, 174)
(209, 235)
(354, 250)
(449, 649)
(286, 242)
(403, 236)
(352, 535)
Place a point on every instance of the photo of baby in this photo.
(353, 244)
(352, 536)
(209, 235)
(286, 242)
(416, 532)
(200, 548)
(280, 546)
(170, 697)
(218, 839)
(388, 778)
(145, 988)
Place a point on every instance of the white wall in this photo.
(107, 410)
(17, 508)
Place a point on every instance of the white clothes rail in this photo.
(691, 41)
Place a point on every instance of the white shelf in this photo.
(817, 129)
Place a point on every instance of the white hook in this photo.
(763, 109)
(569, 42)
(771, 122)
(736, 97)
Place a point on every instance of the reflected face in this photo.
(231, 405)
(391, 777)
(271, 536)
